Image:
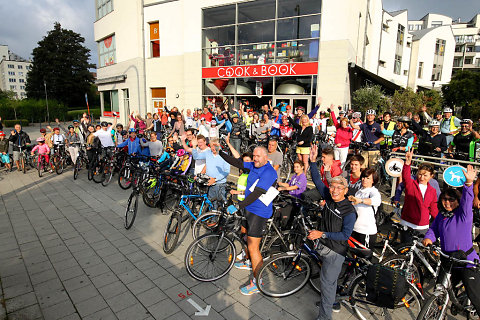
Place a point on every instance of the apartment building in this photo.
(13, 72)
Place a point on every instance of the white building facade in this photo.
(190, 53)
(13, 72)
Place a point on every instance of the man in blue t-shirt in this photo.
(372, 134)
(258, 210)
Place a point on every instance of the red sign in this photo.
(111, 114)
(262, 70)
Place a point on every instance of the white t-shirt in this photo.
(200, 164)
(365, 223)
(324, 124)
(315, 122)
(423, 189)
(105, 137)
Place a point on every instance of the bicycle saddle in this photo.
(362, 253)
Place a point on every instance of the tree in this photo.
(370, 97)
(60, 61)
(406, 100)
(463, 91)
(432, 99)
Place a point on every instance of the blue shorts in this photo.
(5, 158)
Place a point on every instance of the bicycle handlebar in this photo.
(440, 252)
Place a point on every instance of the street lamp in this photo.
(46, 100)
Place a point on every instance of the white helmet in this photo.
(434, 123)
(371, 111)
(357, 115)
(447, 110)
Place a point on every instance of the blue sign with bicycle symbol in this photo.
(454, 176)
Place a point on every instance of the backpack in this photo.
(385, 286)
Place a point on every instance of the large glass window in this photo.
(297, 51)
(256, 53)
(256, 10)
(218, 56)
(217, 37)
(106, 51)
(290, 8)
(298, 28)
(256, 32)
(110, 101)
(219, 16)
(154, 40)
(104, 7)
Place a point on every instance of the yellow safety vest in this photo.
(242, 186)
(391, 126)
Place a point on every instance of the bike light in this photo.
(229, 258)
(297, 267)
(405, 302)
(274, 265)
(191, 260)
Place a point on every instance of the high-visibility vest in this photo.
(242, 186)
(452, 125)
(391, 126)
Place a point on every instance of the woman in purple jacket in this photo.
(453, 226)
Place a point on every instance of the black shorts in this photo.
(254, 224)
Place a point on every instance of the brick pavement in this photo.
(66, 255)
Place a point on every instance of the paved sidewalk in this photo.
(66, 255)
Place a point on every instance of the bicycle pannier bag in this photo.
(385, 286)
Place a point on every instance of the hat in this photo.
(70, 127)
(56, 128)
(43, 130)
(341, 112)
(404, 119)
(300, 108)
(466, 121)
(447, 110)
(131, 130)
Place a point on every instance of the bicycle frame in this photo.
(192, 196)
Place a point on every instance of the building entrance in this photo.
(294, 101)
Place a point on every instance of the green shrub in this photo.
(32, 110)
(12, 123)
(77, 114)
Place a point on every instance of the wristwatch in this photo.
(324, 236)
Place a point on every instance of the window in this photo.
(20, 67)
(459, 48)
(290, 8)
(154, 40)
(13, 87)
(400, 34)
(21, 80)
(12, 80)
(477, 62)
(469, 49)
(436, 24)
(405, 72)
(398, 64)
(256, 10)
(29, 68)
(11, 66)
(381, 63)
(298, 28)
(420, 70)
(104, 7)
(219, 16)
(256, 32)
(477, 49)
(159, 96)
(219, 37)
(411, 27)
(11, 73)
(22, 87)
(106, 51)
(440, 47)
(468, 60)
(126, 100)
(110, 101)
(458, 62)
(459, 39)
(20, 73)
(469, 38)
(409, 44)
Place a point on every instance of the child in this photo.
(4, 151)
(43, 151)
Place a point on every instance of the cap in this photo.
(104, 124)
(466, 121)
(43, 130)
(234, 115)
(357, 115)
(75, 121)
(56, 128)
(341, 112)
(70, 127)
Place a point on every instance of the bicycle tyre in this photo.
(40, 168)
(23, 164)
(108, 172)
(125, 178)
(98, 173)
(32, 162)
(131, 210)
(207, 222)
(414, 276)
(172, 232)
(430, 309)
(172, 198)
(76, 168)
(279, 276)
(58, 162)
(151, 196)
(219, 262)
(366, 310)
(291, 241)
(286, 169)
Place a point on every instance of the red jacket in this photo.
(416, 209)
(335, 170)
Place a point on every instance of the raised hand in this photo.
(408, 157)
(313, 153)
(470, 175)
(319, 100)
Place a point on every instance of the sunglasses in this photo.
(449, 199)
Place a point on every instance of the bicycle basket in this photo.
(385, 286)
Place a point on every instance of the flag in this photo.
(88, 107)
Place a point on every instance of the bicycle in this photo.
(139, 174)
(288, 150)
(42, 164)
(435, 307)
(59, 157)
(80, 162)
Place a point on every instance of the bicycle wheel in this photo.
(98, 173)
(408, 308)
(40, 168)
(413, 274)
(125, 178)
(290, 241)
(22, 163)
(172, 232)
(108, 172)
(286, 169)
(76, 168)
(433, 309)
(205, 224)
(172, 199)
(210, 257)
(58, 163)
(131, 211)
(151, 195)
(283, 275)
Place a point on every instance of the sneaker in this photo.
(336, 307)
(240, 256)
(244, 265)
(249, 289)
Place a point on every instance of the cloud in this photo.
(25, 22)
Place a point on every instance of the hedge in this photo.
(77, 114)
(32, 110)
(12, 123)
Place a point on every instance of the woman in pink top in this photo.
(139, 123)
(343, 137)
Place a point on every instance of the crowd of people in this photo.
(350, 197)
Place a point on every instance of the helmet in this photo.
(438, 113)
(357, 115)
(341, 112)
(371, 111)
(56, 128)
(131, 130)
(70, 127)
(404, 119)
(75, 121)
(181, 152)
(447, 110)
(466, 121)
(41, 139)
(43, 130)
(119, 125)
(104, 124)
(124, 132)
(2, 134)
(434, 123)
(213, 122)
(234, 115)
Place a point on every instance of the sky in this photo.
(25, 22)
